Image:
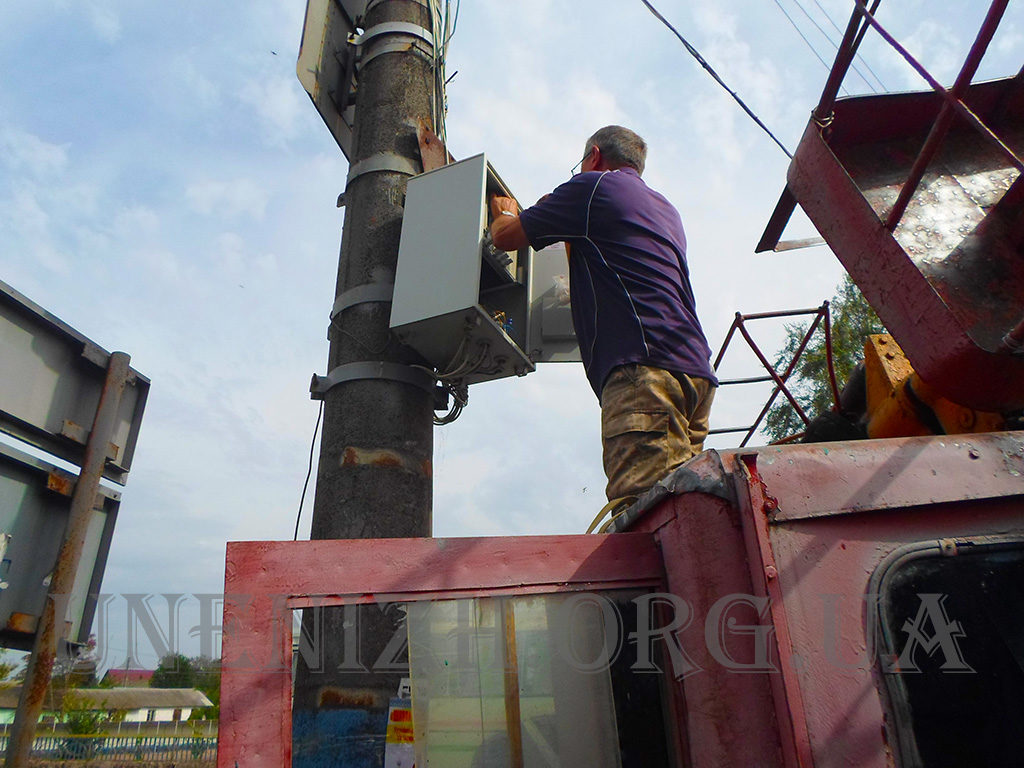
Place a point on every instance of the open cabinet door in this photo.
(526, 651)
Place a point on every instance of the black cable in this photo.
(700, 60)
(835, 45)
(309, 472)
(803, 36)
(862, 59)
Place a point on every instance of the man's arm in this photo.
(507, 233)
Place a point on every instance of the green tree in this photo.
(853, 320)
(207, 681)
(174, 671)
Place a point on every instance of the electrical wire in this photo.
(835, 45)
(862, 59)
(309, 472)
(453, 379)
(803, 37)
(442, 30)
(700, 60)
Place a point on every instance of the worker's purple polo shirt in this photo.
(628, 280)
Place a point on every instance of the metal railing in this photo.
(821, 317)
(102, 748)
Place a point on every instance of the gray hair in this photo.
(620, 147)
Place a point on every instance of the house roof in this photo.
(129, 676)
(123, 698)
(139, 698)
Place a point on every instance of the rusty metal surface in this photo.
(725, 718)
(942, 170)
(764, 572)
(52, 627)
(824, 566)
(433, 152)
(945, 119)
(779, 378)
(808, 526)
(941, 340)
(263, 578)
(826, 479)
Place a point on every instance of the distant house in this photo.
(138, 705)
(128, 678)
(143, 705)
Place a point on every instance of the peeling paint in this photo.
(385, 458)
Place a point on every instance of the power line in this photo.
(803, 36)
(835, 45)
(700, 60)
(862, 59)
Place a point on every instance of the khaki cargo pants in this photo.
(651, 422)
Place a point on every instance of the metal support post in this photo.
(51, 628)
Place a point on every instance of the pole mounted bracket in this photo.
(382, 161)
(410, 37)
(368, 293)
(370, 369)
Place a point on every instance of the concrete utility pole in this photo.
(374, 478)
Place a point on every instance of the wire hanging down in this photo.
(309, 471)
(700, 60)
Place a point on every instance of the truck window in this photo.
(951, 651)
(541, 680)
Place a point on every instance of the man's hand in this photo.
(503, 205)
(506, 232)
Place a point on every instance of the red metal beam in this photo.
(953, 102)
(945, 119)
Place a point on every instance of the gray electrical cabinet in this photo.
(472, 310)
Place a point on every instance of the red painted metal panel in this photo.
(834, 478)
(824, 565)
(826, 516)
(764, 572)
(264, 578)
(728, 717)
(950, 352)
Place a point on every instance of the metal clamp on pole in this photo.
(413, 36)
(424, 3)
(320, 385)
(382, 161)
(368, 293)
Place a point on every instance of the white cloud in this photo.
(938, 48)
(27, 153)
(105, 21)
(228, 198)
(279, 104)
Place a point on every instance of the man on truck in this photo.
(633, 309)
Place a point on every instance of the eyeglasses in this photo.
(579, 164)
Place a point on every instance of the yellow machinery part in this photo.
(901, 404)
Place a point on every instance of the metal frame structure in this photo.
(966, 347)
(265, 581)
(821, 317)
(51, 383)
(788, 538)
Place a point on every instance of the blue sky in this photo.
(167, 188)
